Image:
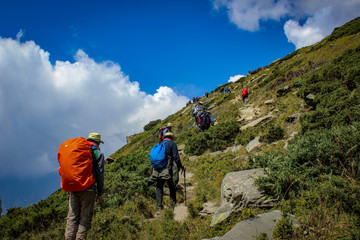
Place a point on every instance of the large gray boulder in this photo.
(238, 191)
(250, 229)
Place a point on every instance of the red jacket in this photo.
(245, 92)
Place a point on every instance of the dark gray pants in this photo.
(160, 191)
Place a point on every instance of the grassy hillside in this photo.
(312, 164)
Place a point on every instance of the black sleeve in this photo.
(175, 154)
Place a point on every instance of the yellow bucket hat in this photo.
(169, 134)
(95, 137)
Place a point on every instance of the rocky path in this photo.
(181, 211)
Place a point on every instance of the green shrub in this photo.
(197, 144)
(274, 133)
(215, 138)
(129, 175)
(349, 28)
(151, 124)
(283, 229)
(262, 236)
(337, 97)
(309, 157)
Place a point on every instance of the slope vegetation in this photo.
(309, 106)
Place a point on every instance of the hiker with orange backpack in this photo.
(166, 164)
(81, 168)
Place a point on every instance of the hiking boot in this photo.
(158, 211)
(172, 205)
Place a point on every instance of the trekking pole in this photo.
(185, 186)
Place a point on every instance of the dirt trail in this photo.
(181, 211)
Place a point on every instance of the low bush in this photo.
(310, 156)
(337, 99)
(215, 138)
(151, 124)
(274, 133)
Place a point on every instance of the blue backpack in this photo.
(158, 155)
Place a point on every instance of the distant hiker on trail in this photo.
(244, 94)
(164, 130)
(204, 120)
(165, 169)
(194, 99)
(206, 94)
(82, 176)
(197, 109)
(222, 90)
(226, 90)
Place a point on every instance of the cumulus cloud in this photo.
(246, 14)
(307, 21)
(41, 105)
(235, 78)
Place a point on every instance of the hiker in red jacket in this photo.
(244, 94)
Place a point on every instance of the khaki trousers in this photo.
(81, 210)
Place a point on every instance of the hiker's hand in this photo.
(184, 168)
(98, 199)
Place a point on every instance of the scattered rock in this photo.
(192, 158)
(233, 149)
(283, 91)
(181, 147)
(180, 213)
(310, 100)
(214, 153)
(238, 191)
(293, 118)
(250, 229)
(209, 208)
(253, 144)
(212, 106)
(257, 122)
(248, 114)
(269, 102)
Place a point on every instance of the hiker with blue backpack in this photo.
(166, 164)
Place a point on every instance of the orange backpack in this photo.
(75, 164)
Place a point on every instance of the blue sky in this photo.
(68, 68)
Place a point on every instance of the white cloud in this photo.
(20, 34)
(235, 78)
(319, 17)
(41, 105)
(246, 14)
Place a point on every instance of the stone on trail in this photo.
(180, 213)
(250, 229)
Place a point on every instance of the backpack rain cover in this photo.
(75, 165)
